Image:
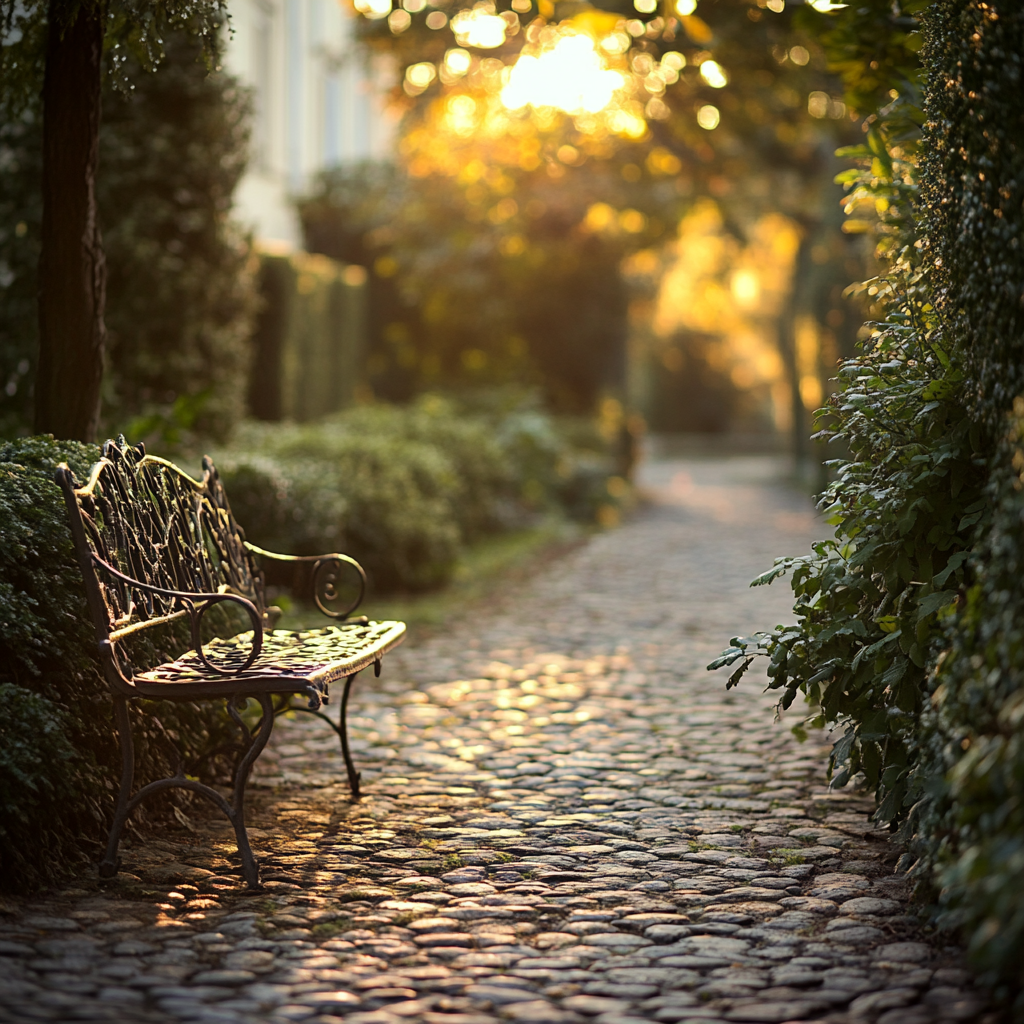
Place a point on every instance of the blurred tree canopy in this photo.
(542, 143)
(473, 292)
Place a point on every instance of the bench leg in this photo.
(108, 866)
(353, 775)
(340, 730)
(234, 812)
(255, 745)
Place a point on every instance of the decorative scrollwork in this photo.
(157, 545)
(196, 616)
(164, 533)
(196, 606)
(165, 545)
(327, 571)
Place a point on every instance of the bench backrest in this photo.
(152, 522)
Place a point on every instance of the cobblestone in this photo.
(566, 820)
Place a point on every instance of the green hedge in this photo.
(910, 623)
(404, 489)
(59, 758)
(971, 820)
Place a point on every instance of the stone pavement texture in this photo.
(567, 819)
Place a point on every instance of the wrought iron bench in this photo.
(156, 546)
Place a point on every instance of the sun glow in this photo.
(480, 28)
(567, 74)
(373, 9)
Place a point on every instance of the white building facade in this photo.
(319, 102)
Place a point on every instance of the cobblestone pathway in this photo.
(567, 820)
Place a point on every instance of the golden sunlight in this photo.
(480, 27)
(568, 74)
(373, 9)
(731, 293)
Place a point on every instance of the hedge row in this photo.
(910, 623)
(310, 337)
(404, 488)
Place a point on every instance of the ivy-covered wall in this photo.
(909, 632)
(970, 824)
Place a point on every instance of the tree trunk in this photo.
(72, 271)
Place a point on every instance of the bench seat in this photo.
(305, 662)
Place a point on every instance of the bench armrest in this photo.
(327, 570)
(196, 605)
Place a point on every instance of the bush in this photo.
(56, 721)
(309, 342)
(38, 782)
(181, 292)
(909, 623)
(312, 489)
(403, 489)
(971, 822)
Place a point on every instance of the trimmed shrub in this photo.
(38, 782)
(310, 337)
(56, 713)
(403, 489)
(971, 822)
(387, 502)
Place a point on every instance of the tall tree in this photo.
(72, 275)
(72, 270)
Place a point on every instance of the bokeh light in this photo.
(457, 61)
(568, 74)
(714, 74)
(480, 28)
(399, 21)
(418, 77)
(708, 117)
(373, 9)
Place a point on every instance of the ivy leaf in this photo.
(726, 658)
(738, 674)
(933, 602)
(954, 563)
